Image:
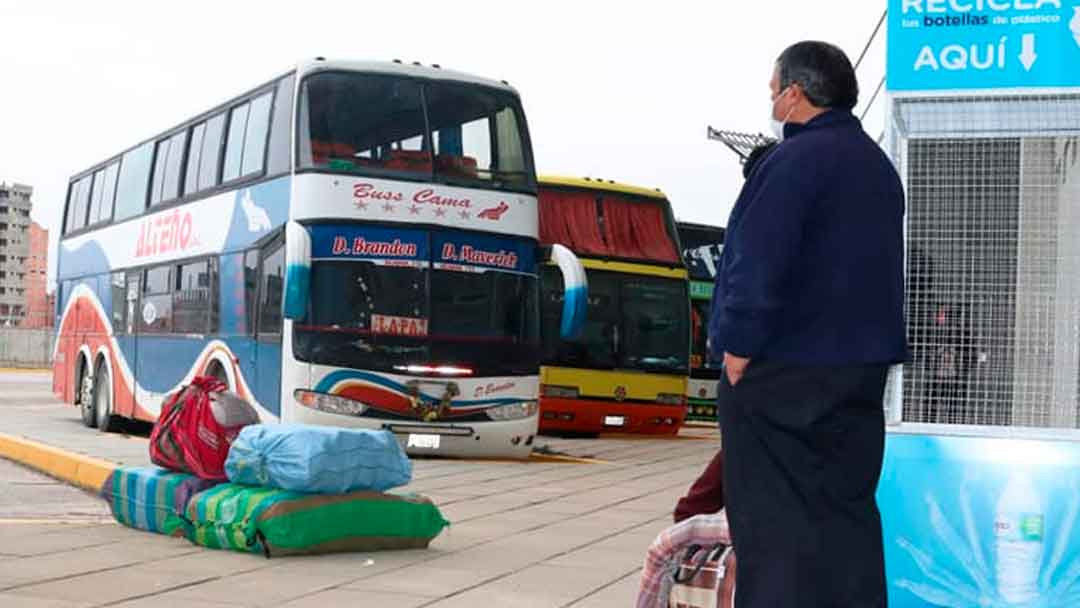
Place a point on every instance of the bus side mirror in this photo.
(297, 270)
(575, 290)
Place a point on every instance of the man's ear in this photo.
(798, 94)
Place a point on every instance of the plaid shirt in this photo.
(666, 551)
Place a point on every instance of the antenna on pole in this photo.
(742, 144)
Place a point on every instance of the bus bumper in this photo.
(598, 416)
(701, 410)
(512, 439)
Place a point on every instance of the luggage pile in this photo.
(228, 482)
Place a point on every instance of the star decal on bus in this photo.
(414, 210)
(388, 208)
(465, 215)
(440, 213)
(361, 206)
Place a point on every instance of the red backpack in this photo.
(190, 437)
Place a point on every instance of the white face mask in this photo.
(778, 125)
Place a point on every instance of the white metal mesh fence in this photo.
(993, 265)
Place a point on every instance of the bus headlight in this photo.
(559, 392)
(669, 399)
(331, 404)
(514, 411)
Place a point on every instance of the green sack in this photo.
(280, 522)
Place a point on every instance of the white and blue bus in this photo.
(350, 244)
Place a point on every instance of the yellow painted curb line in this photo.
(25, 370)
(82, 471)
(91, 521)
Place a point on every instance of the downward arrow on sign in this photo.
(1027, 55)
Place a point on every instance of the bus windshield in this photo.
(402, 128)
(385, 314)
(633, 322)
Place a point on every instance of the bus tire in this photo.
(103, 400)
(84, 394)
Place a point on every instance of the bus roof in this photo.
(309, 66)
(399, 68)
(588, 183)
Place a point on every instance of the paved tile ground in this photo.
(523, 534)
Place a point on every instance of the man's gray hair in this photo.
(823, 72)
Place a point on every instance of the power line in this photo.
(873, 98)
(870, 41)
(866, 48)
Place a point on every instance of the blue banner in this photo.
(981, 521)
(367, 243)
(983, 44)
(484, 252)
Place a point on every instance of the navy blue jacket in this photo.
(812, 267)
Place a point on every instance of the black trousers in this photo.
(803, 448)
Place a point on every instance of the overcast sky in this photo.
(610, 90)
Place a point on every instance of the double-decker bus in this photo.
(701, 250)
(628, 370)
(349, 244)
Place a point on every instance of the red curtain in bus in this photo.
(571, 219)
(637, 230)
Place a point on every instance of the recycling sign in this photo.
(939, 45)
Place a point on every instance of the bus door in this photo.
(126, 331)
(267, 385)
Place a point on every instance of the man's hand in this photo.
(734, 367)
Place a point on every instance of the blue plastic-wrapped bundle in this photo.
(317, 459)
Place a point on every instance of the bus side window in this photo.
(105, 212)
(97, 194)
(131, 301)
(78, 203)
(280, 130)
(210, 156)
(258, 128)
(156, 314)
(194, 159)
(134, 181)
(119, 303)
(271, 292)
(234, 146)
(191, 298)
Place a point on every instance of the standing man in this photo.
(808, 315)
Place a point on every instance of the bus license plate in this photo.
(614, 420)
(430, 442)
